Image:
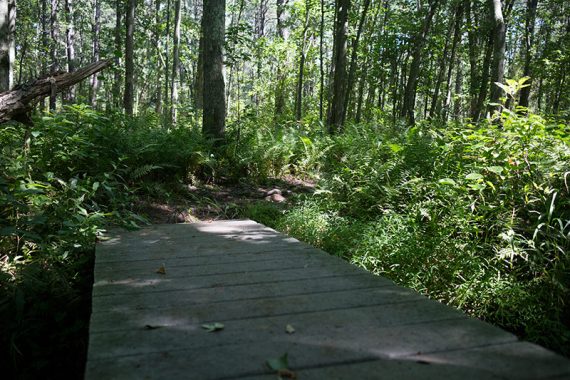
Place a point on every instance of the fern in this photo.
(142, 171)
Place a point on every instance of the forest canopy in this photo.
(432, 137)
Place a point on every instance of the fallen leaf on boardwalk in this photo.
(151, 327)
(286, 374)
(279, 363)
(289, 329)
(161, 270)
(211, 327)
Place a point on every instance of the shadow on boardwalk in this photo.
(155, 288)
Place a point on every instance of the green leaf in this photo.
(447, 181)
(474, 176)
(212, 327)
(495, 169)
(279, 363)
(396, 148)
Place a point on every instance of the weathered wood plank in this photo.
(349, 324)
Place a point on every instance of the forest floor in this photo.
(221, 201)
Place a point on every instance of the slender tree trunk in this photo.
(458, 87)
(128, 99)
(456, 40)
(213, 30)
(498, 64)
(484, 83)
(442, 65)
(280, 87)
(302, 58)
(354, 58)
(95, 29)
(117, 82)
(53, 48)
(69, 95)
(530, 18)
(475, 78)
(199, 78)
(175, 62)
(322, 61)
(167, 100)
(336, 106)
(6, 38)
(412, 83)
(157, 52)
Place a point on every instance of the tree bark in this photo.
(213, 30)
(302, 58)
(484, 83)
(17, 103)
(69, 46)
(530, 18)
(157, 53)
(412, 83)
(336, 107)
(456, 40)
(128, 100)
(7, 18)
(322, 61)
(280, 87)
(118, 48)
(498, 64)
(53, 48)
(175, 62)
(95, 30)
(354, 58)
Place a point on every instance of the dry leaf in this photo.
(289, 329)
(212, 327)
(161, 270)
(286, 374)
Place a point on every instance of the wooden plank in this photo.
(348, 323)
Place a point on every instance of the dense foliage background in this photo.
(424, 177)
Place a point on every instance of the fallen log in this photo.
(16, 104)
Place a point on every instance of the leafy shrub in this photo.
(477, 216)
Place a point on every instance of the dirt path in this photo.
(220, 201)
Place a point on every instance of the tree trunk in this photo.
(157, 53)
(442, 64)
(322, 61)
(167, 100)
(175, 62)
(53, 48)
(484, 83)
(354, 58)
(531, 6)
(117, 85)
(199, 78)
(302, 58)
(128, 99)
(456, 40)
(474, 76)
(70, 46)
(213, 30)
(96, 28)
(280, 87)
(7, 20)
(498, 64)
(16, 104)
(412, 84)
(336, 107)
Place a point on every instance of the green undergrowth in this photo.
(63, 182)
(476, 216)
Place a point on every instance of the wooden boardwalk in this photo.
(348, 324)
